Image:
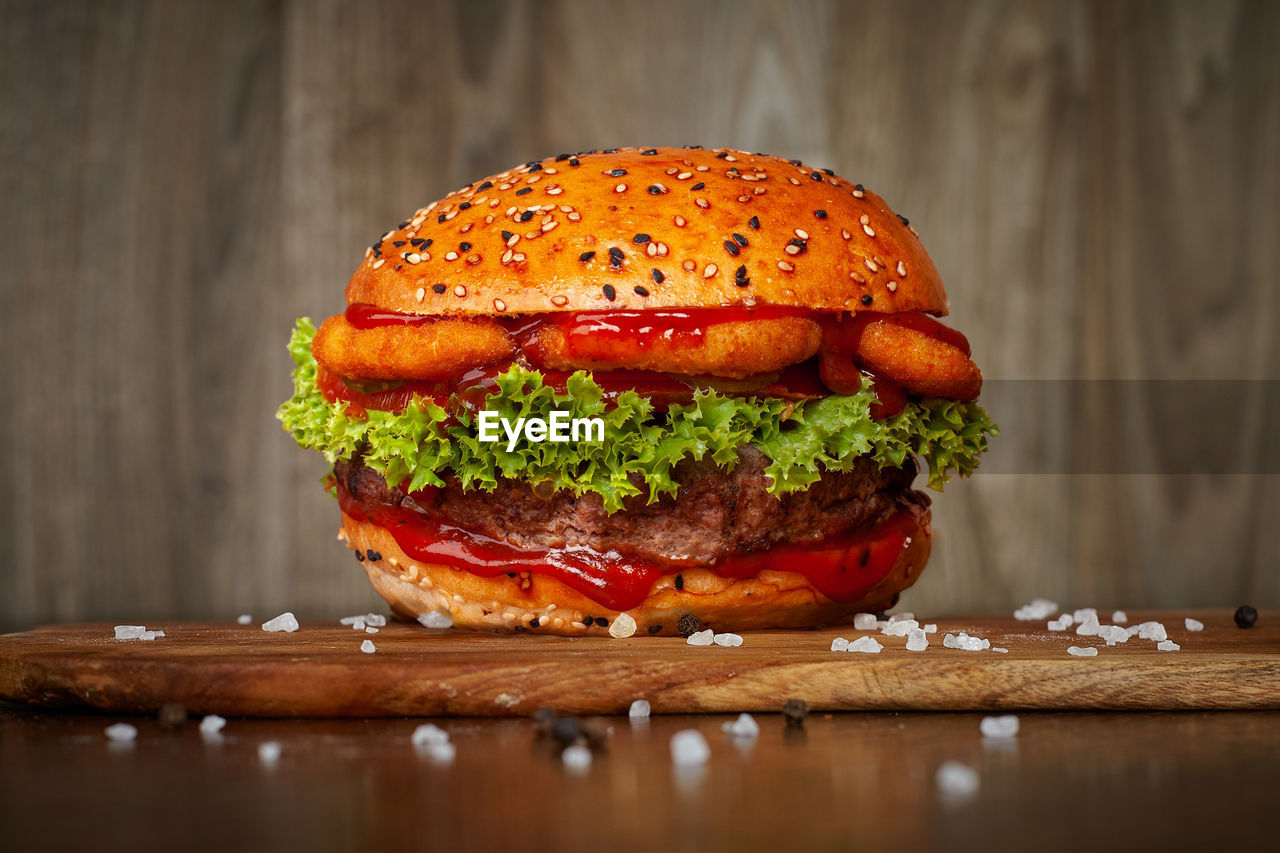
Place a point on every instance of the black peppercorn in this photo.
(1246, 616)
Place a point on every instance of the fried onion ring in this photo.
(437, 351)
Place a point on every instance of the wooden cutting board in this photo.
(319, 671)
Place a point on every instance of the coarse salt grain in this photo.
(121, 733)
(865, 644)
(1062, 623)
(1088, 626)
(623, 626)
(1000, 650)
(212, 725)
(576, 757)
(639, 710)
(435, 620)
(1168, 646)
(1004, 726)
(1083, 613)
(1039, 608)
(1113, 634)
(864, 622)
(727, 640)
(931, 628)
(904, 616)
(689, 748)
(701, 638)
(1151, 631)
(129, 632)
(150, 635)
(744, 727)
(269, 752)
(1082, 652)
(369, 629)
(1119, 617)
(963, 642)
(368, 647)
(900, 629)
(956, 780)
(427, 734)
(917, 640)
(244, 619)
(1193, 624)
(839, 644)
(284, 622)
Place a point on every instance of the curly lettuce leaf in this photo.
(801, 440)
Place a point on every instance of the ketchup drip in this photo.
(843, 567)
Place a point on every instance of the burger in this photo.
(641, 391)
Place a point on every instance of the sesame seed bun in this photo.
(651, 228)
(771, 599)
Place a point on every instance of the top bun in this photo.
(635, 228)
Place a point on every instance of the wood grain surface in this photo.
(321, 671)
(1098, 183)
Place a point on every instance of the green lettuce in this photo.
(801, 440)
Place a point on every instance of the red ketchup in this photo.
(362, 315)
(843, 567)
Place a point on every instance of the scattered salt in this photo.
(1113, 634)
(121, 732)
(744, 727)
(1082, 652)
(1150, 631)
(269, 752)
(1062, 623)
(900, 629)
(839, 644)
(865, 644)
(689, 748)
(956, 780)
(727, 640)
(904, 616)
(576, 757)
(1194, 624)
(284, 622)
(917, 640)
(442, 753)
(1084, 613)
(435, 620)
(150, 635)
(623, 626)
(1088, 626)
(369, 629)
(1119, 617)
(1004, 726)
(428, 734)
(701, 638)
(639, 709)
(212, 725)
(1168, 646)
(1000, 649)
(1039, 608)
(129, 632)
(245, 619)
(931, 628)
(965, 643)
(864, 622)
(368, 647)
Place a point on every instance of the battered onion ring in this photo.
(437, 351)
(918, 362)
(733, 350)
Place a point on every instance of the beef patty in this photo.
(716, 512)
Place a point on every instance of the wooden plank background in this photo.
(1098, 182)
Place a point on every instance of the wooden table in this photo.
(1174, 780)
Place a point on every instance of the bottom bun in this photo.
(771, 599)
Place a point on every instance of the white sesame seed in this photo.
(499, 305)
(413, 257)
(506, 256)
(451, 256)
(420, 294)
(683, 176)
(460, 291)
(868, 230)
(575, 216)
(702, 168)
(864, 219)
(710, 271)
(465, 228)
(902, 269)
(802, 234)
(858, 194)
(871, 265)
(844, 232)
(549, 171)
(794, 181)
(515, 238)
(559, 301)
(792, 250)
(892, 285)
(620, 188)
(662, 250)
(651, 250)
(554, 190)
(379, 262)
(679, 220)
(450, 215)
(702, 202)
(519, 257)
(785, 266)
(549, 226)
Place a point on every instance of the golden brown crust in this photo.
(921, 363)
(772, 599)
(438, 351)
(734, 350)
(850, 245)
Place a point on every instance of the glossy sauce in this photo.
(843, 567)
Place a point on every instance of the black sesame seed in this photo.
(903, 219)
(799, 244)
(609, 292)
(416, 241)
(524, 190)
(742, 282)
(586, 256)
(821, 214)
(740, 240)
(1246, 616)
(616, 173)
(731, 247)
(794, 162)
(828, 171)
(734, 170)
(428, 243)
(602, 622)
(817, 176)
(485, 186)
(526, 216)
(859, 187)
(506, 235)
(609, 151)
(615, 257)
(535, 167)
(377, 250)
(442, 218)
(649, 151)
(573, 161)
(466, 205)
(399, 267)
(534, 623)
(438, 288)
(397, 243)
(464, 247)
(867, 300)
(740, 272)
(657, 277)
(404, 224)
(698, 186)
(754, 222)
(655, 189)
(641, 290)
(587, 620)
(560, 158)
(695, 147)
(519, 629)
(372, 555)
(679, 581)
(359, 557)
(640, 239)
(722, 155)
(653, 629)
